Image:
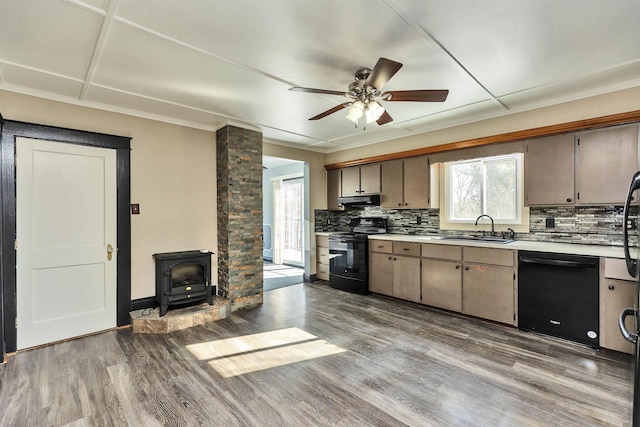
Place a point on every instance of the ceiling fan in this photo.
(365, 93)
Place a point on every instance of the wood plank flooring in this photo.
(399, 364)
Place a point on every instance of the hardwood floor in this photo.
(387, 363)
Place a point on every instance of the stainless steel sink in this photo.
(489, 239)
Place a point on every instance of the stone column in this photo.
(239, 176)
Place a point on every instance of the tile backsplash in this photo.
(599, 225)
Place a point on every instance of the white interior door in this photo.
(66, 225)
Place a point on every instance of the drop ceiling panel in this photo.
(457, 116)
(49, 35)
(510, 45)
(173, 73)
(593, 84)
(320, 46)
(35, 80)
(96, 4)
(124, 101)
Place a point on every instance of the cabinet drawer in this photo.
(384, 246)
(453, 253)
(406, 248)
(322, 241)
(615, 268)
(323, 256)
(488, 256)
(322, 271)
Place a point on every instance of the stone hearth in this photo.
(148, 321)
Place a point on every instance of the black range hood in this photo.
(371, 199)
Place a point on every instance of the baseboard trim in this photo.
(142, 303)
(309, 279)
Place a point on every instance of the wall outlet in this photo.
(631, 224)
(328, 221)
(550, 223)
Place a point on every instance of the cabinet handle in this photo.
(406, 204)
(611, 287)
(466, 268)
(399, 204)
(380, 246)
(457, 267)
(390, 258)
(394, 258)
(406, 249)
(568, 199)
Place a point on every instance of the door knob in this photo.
(109, 252)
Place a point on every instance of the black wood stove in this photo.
(182, 278)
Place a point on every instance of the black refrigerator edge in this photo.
(632, 267)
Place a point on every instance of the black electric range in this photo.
(348, 255)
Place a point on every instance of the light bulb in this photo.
(373, 111)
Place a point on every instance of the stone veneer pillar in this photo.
(239, 176)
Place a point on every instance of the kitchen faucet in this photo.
(493, 232)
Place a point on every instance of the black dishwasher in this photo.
(558, 296)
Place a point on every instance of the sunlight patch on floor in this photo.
(251, 353)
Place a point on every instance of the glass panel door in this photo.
(292, 223)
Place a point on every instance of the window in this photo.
(490, 185)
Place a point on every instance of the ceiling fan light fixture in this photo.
(373, 111)
(355, 111)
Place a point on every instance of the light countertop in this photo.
(519, 245)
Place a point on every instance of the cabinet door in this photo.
(351, 181)
(615, 295)
(487, 292)
(416, 182)
(370, 179)
(333, 189)
(549, 171)
(381, 273)
(442, 284)
(607, 159)
(406, 278)
(391, 192)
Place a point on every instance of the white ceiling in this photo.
(206, 63)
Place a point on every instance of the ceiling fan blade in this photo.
(416, 95)
(311, 90)
(382, 72)
(331, 111)
(384, 119)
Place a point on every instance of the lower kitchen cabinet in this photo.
(322, 257)
(488, 284)
(442, 284)
(394, 269)
(487, 292)
(381, 273)
(617, 292)
(406, 278)
(442, 276)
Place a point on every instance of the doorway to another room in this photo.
(285, 213)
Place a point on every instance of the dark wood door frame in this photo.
(10, 130)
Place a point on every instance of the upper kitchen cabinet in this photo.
(334, 189)
(586, 168)
(359, 180)
(549, 167)
(606, 161)
(406, 183)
